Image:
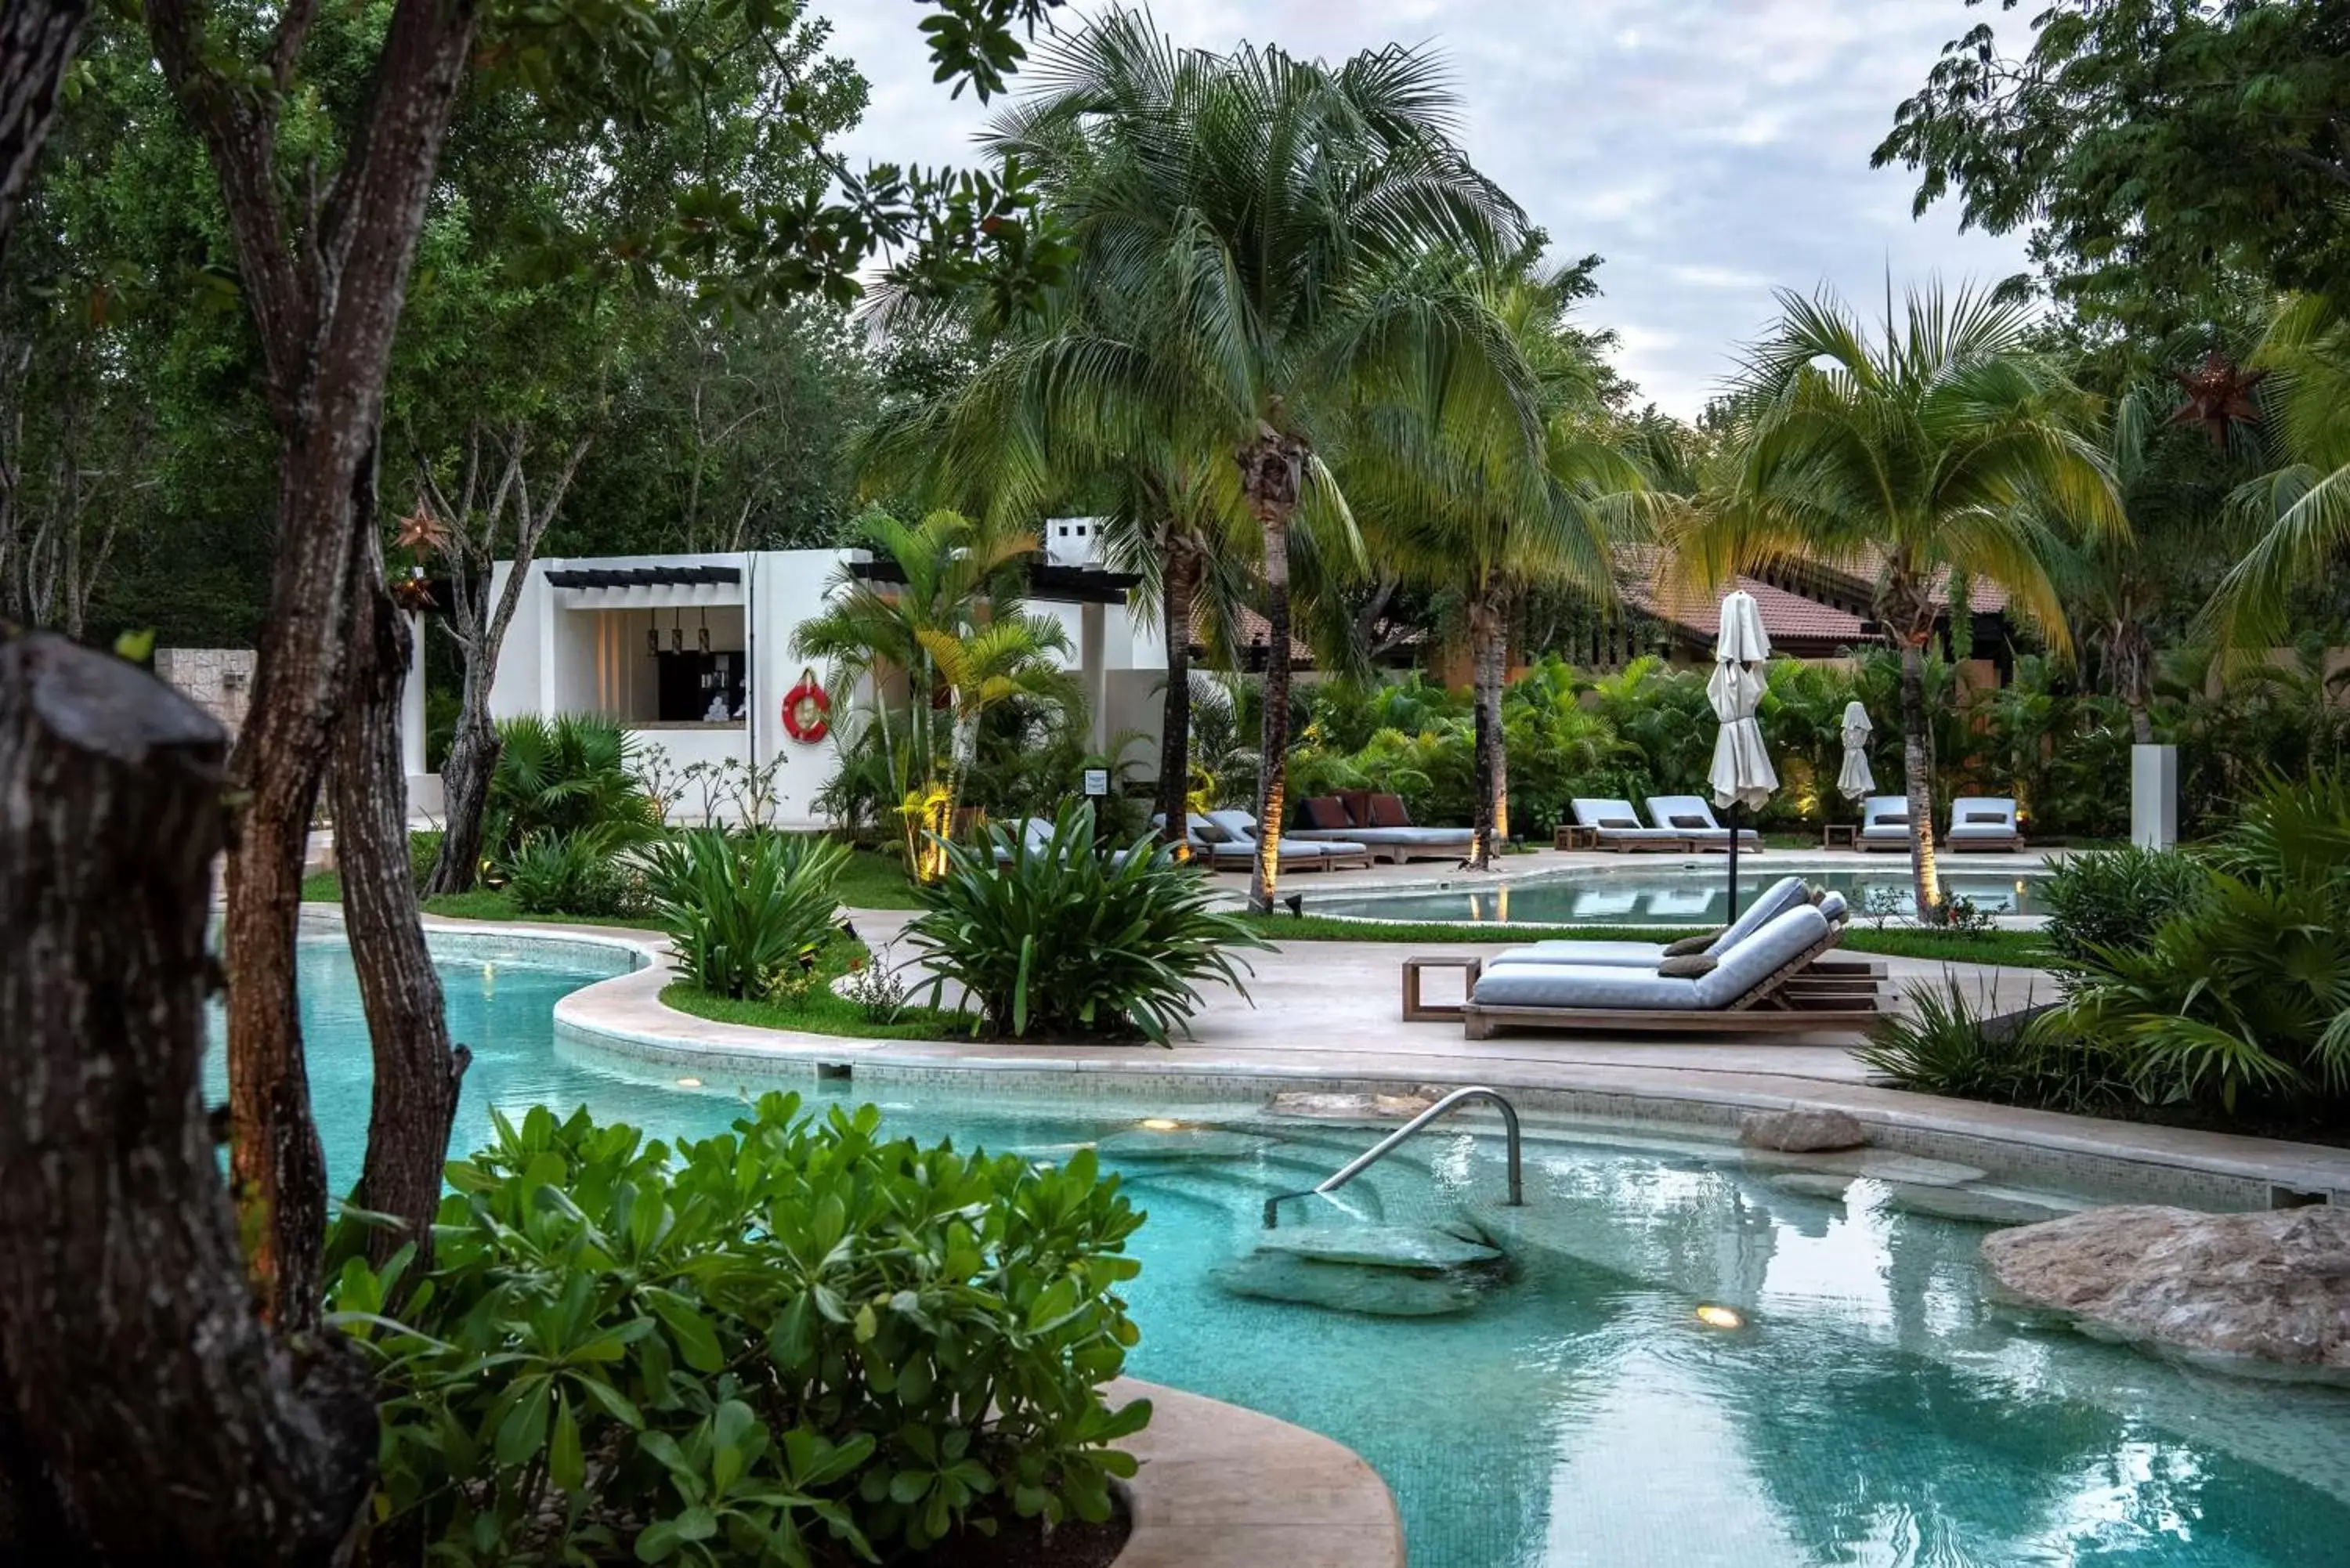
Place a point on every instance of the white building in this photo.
(694, 653)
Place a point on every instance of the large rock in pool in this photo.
(1183, 1143)
(1802, 1131)
(2266, 1294)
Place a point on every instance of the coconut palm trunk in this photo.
(1917, 777)
(1180, 582)
(1489, 632)
(1272, 473)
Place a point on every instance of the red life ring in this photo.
(804, 707)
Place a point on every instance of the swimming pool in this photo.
(1668, 895)
(1871, 1411)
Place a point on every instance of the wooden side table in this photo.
(1415, 1011)
(1574, 835)
(1840, 834)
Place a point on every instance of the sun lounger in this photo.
(1764, 982)
(1884, 823)
(1389, 834)
(1314, 854)
(1616, 826)
(1781, 895)
(1692, 817)
(1983, 822)
(1035, 838)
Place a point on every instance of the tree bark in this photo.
(325, 287)
(1488, 633)
(146, 1415)
(1179, 580)
(1917, 775)
(37, 38)
(413, 1102)
(1273, 474)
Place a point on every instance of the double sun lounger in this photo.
(1977, 822)
(1677, 824)
(1380, 824)
(1227, 841)
(1767, 971)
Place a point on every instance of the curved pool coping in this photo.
(624, 1016)
(1225, 1486)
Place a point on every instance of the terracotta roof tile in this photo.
(1787, 616)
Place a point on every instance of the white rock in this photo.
(2265, 1293)
(1349, 1107)
(1802, 1131)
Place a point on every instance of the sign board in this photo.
(1097, 782)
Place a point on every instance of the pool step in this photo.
(1379, 1270)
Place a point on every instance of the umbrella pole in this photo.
(1737, 809)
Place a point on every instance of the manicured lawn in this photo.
(822, 1010)
(481, 904)
(876, 879)
(2022, 950)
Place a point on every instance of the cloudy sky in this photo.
(1710, 150)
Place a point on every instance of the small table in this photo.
(1574, 835)
(1415, 1011)
(1840, 834)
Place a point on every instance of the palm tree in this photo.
(1240, 220)
(1469, 504)
(2304, 506)
(1933, 455)
(1008, 656)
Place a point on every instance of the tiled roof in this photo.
(1249, 629)
(1983, 596)
(1788, 617)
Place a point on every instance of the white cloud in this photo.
(1710, 150)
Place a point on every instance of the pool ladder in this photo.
(1387, 1145)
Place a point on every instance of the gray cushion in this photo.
(1686, 820)
(1447, 835)
(1602, 986)
(1695, 944)
(1619, 822)
(1776, 899)
(1745, 966)
(1832, 905)
(1689, 965)
(1998, 816)
(1607, 954)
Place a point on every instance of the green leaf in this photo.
(524, 1431)
(696, 1341)
(565, 1467)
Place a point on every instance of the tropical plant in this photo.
(1068, 938)
(574, 873)
(2108, 898)
(1247, 221)
(2245, 989)
(1927, 460)
(799, 1342)
(1943, 1045)
(744, 916)
(1011, 655)
(572, 775)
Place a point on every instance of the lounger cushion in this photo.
(1448, 836)
(1603, 986)
(1388, 811)
(1832, 904)
(1621, 823)
(1787, 893)
(1357, 803)
(1683, 819)
(1998, 816)
(1607, 954)
(1687, 965)
(1325, 812)
(1695, 944)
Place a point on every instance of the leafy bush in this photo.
(1943, 1046)
(744, 915)
(799, 1343)
(1065, 942)
(573, 874)
(2245, 992)
(2113, 897)
(568, 776)
(423, 852)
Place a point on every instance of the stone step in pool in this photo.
(1379, 1271)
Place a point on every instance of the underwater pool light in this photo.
(688, 1083)
(1162, 1124)
(1720, 1317)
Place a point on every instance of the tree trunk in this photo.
(1178, 582)
(1917, 774)
(37, 44)
(1488, 633)
(1272, 472)
(2133, 655)
(146, 1415)
(465, 775)
(413, 1102)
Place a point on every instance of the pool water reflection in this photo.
(1663, 897)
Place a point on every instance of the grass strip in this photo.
(2019, 949)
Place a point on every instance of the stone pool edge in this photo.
(623, 1015)
(1221, 1486)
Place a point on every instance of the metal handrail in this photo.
(1385, 1146)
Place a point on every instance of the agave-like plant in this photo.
(744, 915)
(1067, 938)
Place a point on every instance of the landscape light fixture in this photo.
(1297, 905)
(653, 639)
(848, 929)
(677, 632)
(705, 631)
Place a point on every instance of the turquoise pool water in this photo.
(1662, 896)
(1872, 1411)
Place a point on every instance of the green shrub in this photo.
(1065, 941)
(746, 915)
(2116, 897)
(2244, 993)
(799, 1343)
(569, 774)
(1943, 1046)
(574, 873)
(423, 851)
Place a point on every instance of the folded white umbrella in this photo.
(1742, 771)
(1854, 779)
